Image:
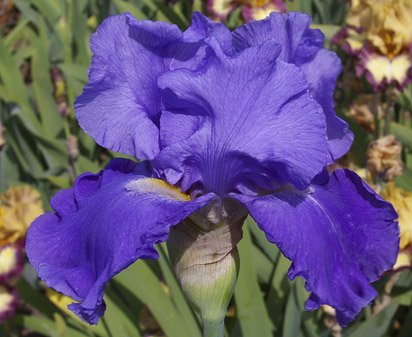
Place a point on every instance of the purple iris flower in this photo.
(216, 115)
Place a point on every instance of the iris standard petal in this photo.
(99, 227)
(238, 111)
(340, 236)
(191, 52)
(302, 46)
(202, 27)
(120, 105)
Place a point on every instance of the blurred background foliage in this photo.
(44, 56)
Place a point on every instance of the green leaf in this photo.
(9, 169)
(47, 327)
(253, 318)
(178, 297)
(27, 11)
(198, 6)
(12, 79)
(74, 71)
(407, 325)
(116, 317)
(83, 164)
(264, 267)
(141, 282)
(377, 325)
(278, 292)
(404, 99)
(405, 180)
(24, 149)
(294, 309)
(77, 18)
(259, 236)
(62, 181)
(320, 10)
(124, 6)
(402, 133)
(35, 298)
(17, 33)
(49, 9)
(42, 86)
(167, 13)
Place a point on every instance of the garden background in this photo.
(44, 56)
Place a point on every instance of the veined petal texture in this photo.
(240, 116)
(302, 46)
(339, 235)
(99, 227)
(121, 105)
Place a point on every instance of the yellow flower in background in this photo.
(404, 260)
(402, 201)
(61, 301)
(251, 9)
(8, 303)
(260, 9)
(379, 31)
(382, 69)
(385, 23)
(362, 110)
(19, 206)
(11, 262)
(384, 159)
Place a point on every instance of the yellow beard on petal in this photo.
(8, 259)
(157, 187)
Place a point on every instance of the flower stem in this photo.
(391, 94)
(213, 328)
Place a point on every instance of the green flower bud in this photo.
(202, 250)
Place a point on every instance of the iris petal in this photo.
(120, 105)
(99, 227)
(340, 236)
(302, 46)
(237, 111)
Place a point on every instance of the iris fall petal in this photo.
(339, 235)
(99, 227)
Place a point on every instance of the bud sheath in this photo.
(202, 250)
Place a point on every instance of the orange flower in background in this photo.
(402, 202)
(19, 206)
(6, 6)
(378, 31)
